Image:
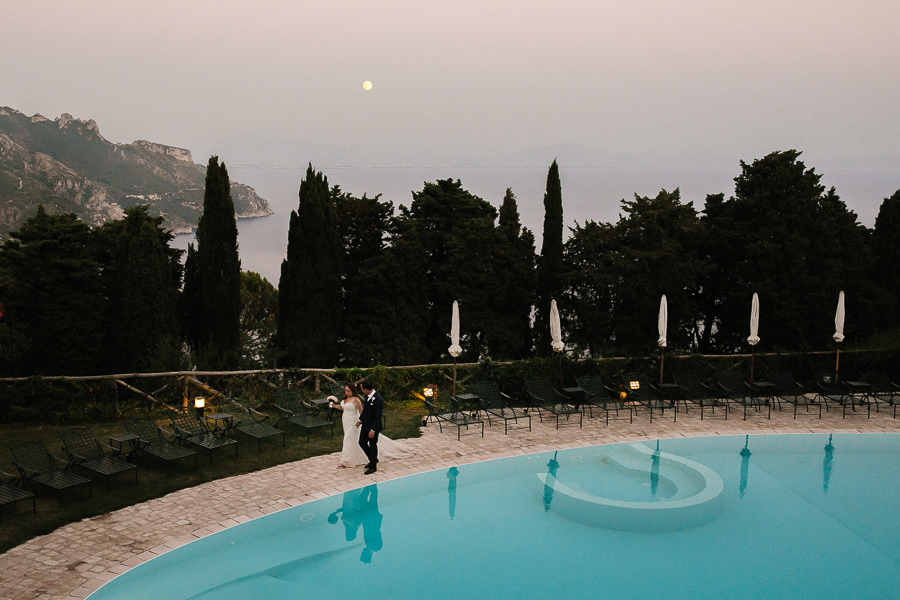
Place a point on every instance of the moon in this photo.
(367, 85)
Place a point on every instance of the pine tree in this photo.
(309, 291)
(219, 270)
(259, 313)
(550, 265)
(887, 256)
(52, 295)
(457, 232)
(141, 278)
(390, 329)
(795, 243)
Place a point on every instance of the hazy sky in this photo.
(692, 82)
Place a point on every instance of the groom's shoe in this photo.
(370, 470)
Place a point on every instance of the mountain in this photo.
(66, 165)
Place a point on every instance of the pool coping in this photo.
(75, 560)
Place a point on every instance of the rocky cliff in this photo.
(66, 165)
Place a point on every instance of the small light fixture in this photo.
(428, 392)
(623, 395)
(199, 405)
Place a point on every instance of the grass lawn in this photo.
(155, 478)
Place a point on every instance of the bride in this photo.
(351, 454)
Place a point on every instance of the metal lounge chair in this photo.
(734, 390)
(639, 389)
(699, 394)
(250, 423)
(882, 390)
(152, 442)
(86, 452)
(189, 428)
(35, 463)
(830, 391)
(497, 405)
(549, 399)
(789, 390)
(10, 494)
(291, 409)
(453, 417)
(597, 395)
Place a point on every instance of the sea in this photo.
(589, 193)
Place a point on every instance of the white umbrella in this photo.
(555, 329)
(455, 349)
(753, 340)
(754, 320)
(838, 330)
(662, 325)
(556, 335)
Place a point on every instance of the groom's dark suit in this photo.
(370, 420)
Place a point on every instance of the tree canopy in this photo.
(141, 278)
(54, 305)
(363, 284)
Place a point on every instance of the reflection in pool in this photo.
(799, 516)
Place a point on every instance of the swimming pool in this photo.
(784, 516)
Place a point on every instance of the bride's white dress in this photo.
(351, 454)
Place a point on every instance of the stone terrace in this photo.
(78, 558)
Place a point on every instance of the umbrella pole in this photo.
(454, 377)
(662, 363)
(837, 361)
(752, 354)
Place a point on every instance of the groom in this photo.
(369, 424)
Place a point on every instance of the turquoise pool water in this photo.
(788, 516)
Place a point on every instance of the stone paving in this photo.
(78, 558)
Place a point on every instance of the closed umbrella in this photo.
(455, 350)
(753, 340)
(838, 331)
(662, 325)
(556, 335)
(555, 329)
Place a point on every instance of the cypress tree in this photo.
(514, 279)
(550, 265)
(309, 291)
(365, 225)
(219, 270)
(190, 300)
